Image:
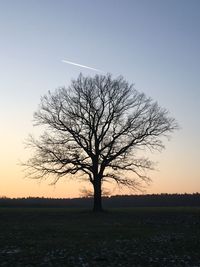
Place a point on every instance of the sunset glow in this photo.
(153, 44)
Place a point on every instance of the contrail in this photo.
(79, 65)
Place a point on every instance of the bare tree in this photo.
(94, 129)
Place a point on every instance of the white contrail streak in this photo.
(79, 65)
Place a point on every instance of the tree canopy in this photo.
(94, 129)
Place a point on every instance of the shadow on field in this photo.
(116, 237)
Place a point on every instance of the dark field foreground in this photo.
(119, 237)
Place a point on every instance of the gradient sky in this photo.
(154, 44)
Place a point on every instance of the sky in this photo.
(154, 44)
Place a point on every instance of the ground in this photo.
(119, 237)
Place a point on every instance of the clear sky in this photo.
(153, 44)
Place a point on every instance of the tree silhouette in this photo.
(94, 129)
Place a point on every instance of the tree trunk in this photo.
(97, 206)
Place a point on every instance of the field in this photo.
(118, 237)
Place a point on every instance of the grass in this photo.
(118, 237)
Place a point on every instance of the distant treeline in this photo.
(153, 200)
